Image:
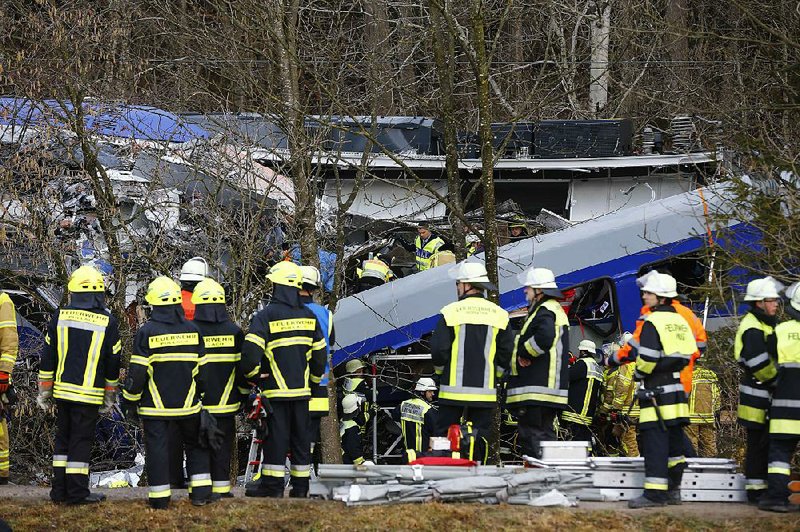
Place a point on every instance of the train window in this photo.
(593, 305)
(689, 270)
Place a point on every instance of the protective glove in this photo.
(211, 436)
(45, 395)
(109, 399)
(5, 378)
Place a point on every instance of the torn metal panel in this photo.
(401, 199)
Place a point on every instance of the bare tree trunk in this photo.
(598, 71)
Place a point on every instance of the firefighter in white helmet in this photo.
(194, 270)
(418, 418)
(350, 429)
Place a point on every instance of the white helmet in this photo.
(626, 337)
(587, 345)
(470, 272)
(311, 275)
(194, 269)
(425, 384)
(353, 365)
(538, 278)
(793, 293)
(350, 403)
(760, 289)
(660, 284)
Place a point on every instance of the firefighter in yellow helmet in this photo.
(286, 340)
(224, 388)
(164, 385)
(754, 350)
(80, 370)
(9, 348)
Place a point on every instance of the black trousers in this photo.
(221, 459)
(157, 459)
(449, 414)
(781, 452)
(288, 425)
(756, 459)
(75, 424)
(177, 478)
(535, 425)
(664, 461)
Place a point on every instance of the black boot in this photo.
(160, 503)
(92, 498)
(674, 497)
(644, 502)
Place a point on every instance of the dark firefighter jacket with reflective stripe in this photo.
(665, 348)
(163, 376)
(318, 405)
(352, 451)
(223, 391)
(81, 354)
(754, 350)
(470, 346)
(784, 414)
(585, 383)
(418, 421)
(290, 344)
(544, 340)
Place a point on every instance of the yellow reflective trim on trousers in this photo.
(555, 399)
(59, 463)
(652, 486)
(784, 426)
(77, 471)
(673, 463)
(779, 471)
(668, 412)
(748, 413)
(318, 404)
(221, 489)
(160, 494)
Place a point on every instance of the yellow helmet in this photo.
(208, 291)
(163, 291)
(86, 279)
(286, 273)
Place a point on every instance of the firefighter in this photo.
(374, 272)
(418, 418)
(625, 409)
(517, 229)
(80, 370)
(784, 412)
(193, 271)
(426, 245)
(318, 405)
(538, 388)
(585, 384)
(704, 405)
(9, 348)
(223, 386)
(665, 347)
(164, 385)
(286, 339)
(470, 347)
(350, 428)
(754, 350)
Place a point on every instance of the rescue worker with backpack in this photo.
(80, 370)
(471, 347)
(585, 385)
(9, 348)
(164, 384)
(224, 387)
(286, 340)
(538, 387)
(418, 419)
(754, 350)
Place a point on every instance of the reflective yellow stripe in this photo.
(151, 386)
(174, 357)
(77, 397)
(62, 334)
(151, 411)
(221, 489)
(93, 359)
(482, 397)
(138, 359)
(130, 396)
(653, 486)
(296, 340)
(222, 406)
(76, 388)
(117, 347)
(222, 357)
(784, 426)
(318, 404)
(46, 375)
(158, 494)
(296, 392)
(668, 412)
(255, 339)
(556, 399)
(779, 471)
(8, 324)
(748, 413)
(222, 409)
(275, 370)
(190, 395)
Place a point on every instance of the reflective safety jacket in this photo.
(9, 339)
(223, 391)
(352, 452)
(667, 344)
(426, 249)
(163, 377)
(290, 342)
(784, 414)
(377, 269)
(186, 303)
(630, 351)
(318, 405)
(585, 384)
(754, 350)
(470, 347)
(544, 340)
(704, 401)
(81, 354)
(624, 392)
(418, 421)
